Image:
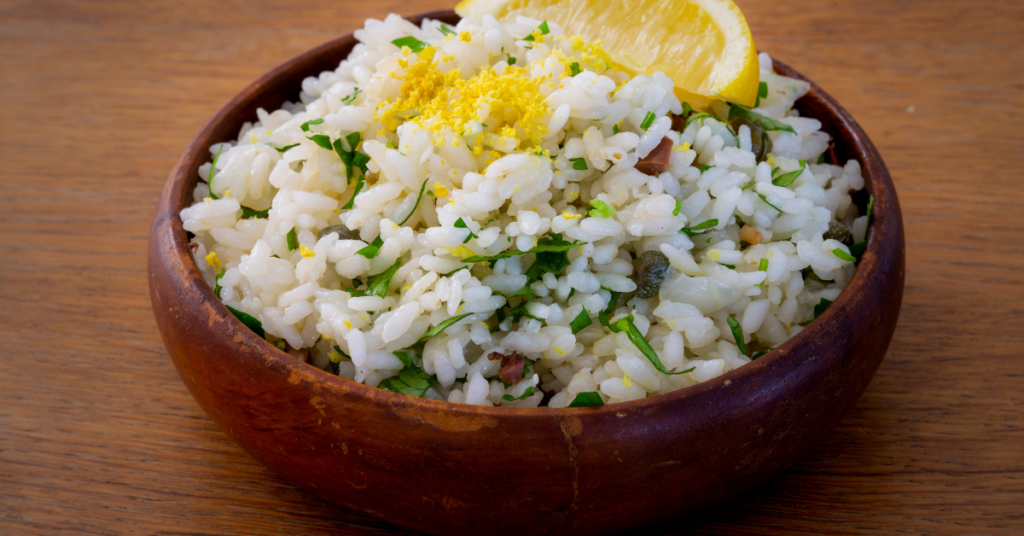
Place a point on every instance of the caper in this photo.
(838, 231)
(344, 233)
(649, 270)
(760, 142)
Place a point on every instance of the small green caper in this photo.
(344, 233)
(649, 271)
(838, 231)
(760, 142)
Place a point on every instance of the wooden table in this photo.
(99, 436)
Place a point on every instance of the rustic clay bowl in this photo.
(457, 469)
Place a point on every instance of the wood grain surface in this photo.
(98, 435)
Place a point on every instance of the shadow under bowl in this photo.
(450, 468)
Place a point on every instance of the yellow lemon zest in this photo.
(440, 190)
(448, 37)
(207, 200)
(559, 350)
(714, 254)
(771, 159)
(682, 148)
(465, 36)
(406, 51)
(569, 215)
(227, 192)
(625, 379)
(306, 252)
(347, 324)
(461, 252)
(446, 102)
(213, 261)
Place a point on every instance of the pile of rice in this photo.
(500, 147)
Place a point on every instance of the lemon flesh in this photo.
(704, 46)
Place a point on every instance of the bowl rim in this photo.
(883, 209)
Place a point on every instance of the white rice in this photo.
(509, 197)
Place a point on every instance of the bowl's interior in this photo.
(284, 83)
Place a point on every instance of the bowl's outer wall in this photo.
(454, 469)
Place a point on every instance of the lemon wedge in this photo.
(704, 46)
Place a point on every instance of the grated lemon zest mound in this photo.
(213, 261)
(443, 102)
(306, 252)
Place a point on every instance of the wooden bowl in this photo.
(455, 469)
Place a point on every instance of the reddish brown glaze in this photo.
(656, 162)
(511, 370)
(437, 467)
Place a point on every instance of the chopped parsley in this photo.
(787, 178)
(404, 357)
(349, 99)
(250, 321)
(820, 307)
(601, 209)
(213, 166)
(575, 68)
(581, 321)
(759, 354)
(377, 285)
(552, 243)
(414, 207)
(843, 255)
(679, 206)
(737, 333)
(696, 117)
(526, 393)
(552, 259)
(699, 228)
(410, 381)
(762, 92)
(648, 121)
(579, 164)
(446, 30)
(216, 281)
(461, 224)
(765, 199)
(544, 30)
(586, 399)
(322, 140)
(821, 159)
(511, 60)
(766, 123)
(248, 213)
(705, 168)
(293, 240)
(434, 331)
(857, 250)
(373, 249)
(305, 126)
(414, 44)
(283, 149)
(762, 265)
(626, 325)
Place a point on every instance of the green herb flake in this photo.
(581, 321)
(281, 345)
(373, 249)
(820, 307)
(213, 166)
(321, 140)
(456, 270)
(248, 213)
(293, 240)
(765, 199)
(404, 357)
(282, 149)
(377, 285)
(579, 164)
(414, 44)
(699, 228)
(305, 126)
(697, 117)
(551, 243)
(762, 266)
(705, 168)
(736, 111)
(760, 354)
(679, 206)
(843, 255)
(857, 250)
(586, 399)
(460, 224)
(250, 321)
(575, 68)
(601, 209)
(441, 327)
(648, 121)
(730, 266)
(410, 381)
(737, 333)
(341, 354)
(216, 282)
(446, 30)
(762, 92)
(626, 325)
(527, 393)
(349, 99)
(414, 207)
(511, 60)
(615, 128)
(787, 178)
(544, 29)
(359, 186)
